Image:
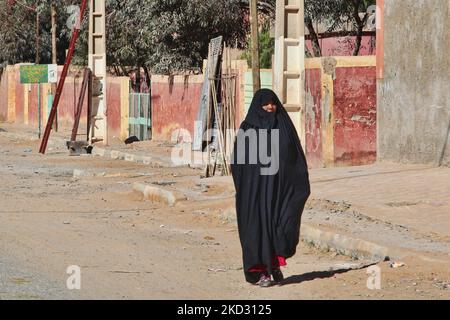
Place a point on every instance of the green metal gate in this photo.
(266, 83)
(140, 119)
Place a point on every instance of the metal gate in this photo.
(215, 51)
(140, 119)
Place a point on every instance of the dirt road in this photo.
(128, 248)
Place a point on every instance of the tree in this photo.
(18, 43)
(336, 14)
(329, 11)
(266, 45)
(18, 36)
(167, 36)
(357, 6)
(179, 31)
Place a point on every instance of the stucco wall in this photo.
(19, 102)
(414, 93)
(175, 103)
(3, 95)
(341, 111)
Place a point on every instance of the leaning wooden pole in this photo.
(84, 88)
(51, 117)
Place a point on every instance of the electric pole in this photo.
(54, 51)
(255, 45)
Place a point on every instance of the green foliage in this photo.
(335, 14)
(166, 36)
(266, 48)
(18, 31)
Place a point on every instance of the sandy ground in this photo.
(128, 248)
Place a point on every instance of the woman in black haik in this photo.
(269, 206)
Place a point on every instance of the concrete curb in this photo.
(358, 249)
(129, 157)
(158, 194)
(81, 173)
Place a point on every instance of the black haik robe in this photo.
(269, 207)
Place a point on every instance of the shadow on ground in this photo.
(311, 276)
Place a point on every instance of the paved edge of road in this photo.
(358, 249)
(327, 240)
(130, 157)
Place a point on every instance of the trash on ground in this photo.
(217, 270)
(396, 265)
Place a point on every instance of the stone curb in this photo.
(158, 194)
(129, 157)
(353, 247)
(327, 240)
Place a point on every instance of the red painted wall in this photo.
(355, 115)
(174, 106)
(313, 87)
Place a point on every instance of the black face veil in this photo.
(269, 206)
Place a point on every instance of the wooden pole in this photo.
(38, 59)
(255, 46)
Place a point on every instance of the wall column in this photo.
(97, 63)
(289, 64)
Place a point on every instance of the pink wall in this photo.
(175, 104)
(19, 91)
(69, 100)
(67, 104)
